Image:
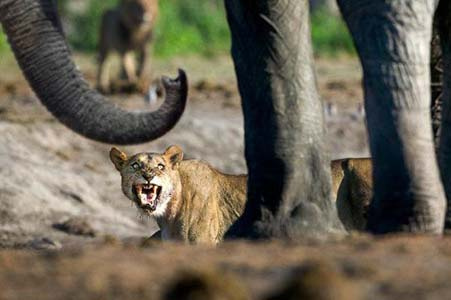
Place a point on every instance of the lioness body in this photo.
(206, 206)
(126, 29)
(190, 200)
(194, 202)
(352, 187)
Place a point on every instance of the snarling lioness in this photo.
(194, 202)
(190, 200)
(126, 29)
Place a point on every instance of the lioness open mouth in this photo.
(148, 196)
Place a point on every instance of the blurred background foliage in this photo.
(3, 42)
(192, 27)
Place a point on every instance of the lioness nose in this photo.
(148, 175)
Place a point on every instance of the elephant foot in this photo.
(389, 219)
(306, 220)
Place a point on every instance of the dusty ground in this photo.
(354, 268)
(59, 191)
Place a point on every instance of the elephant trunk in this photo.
(34, 32)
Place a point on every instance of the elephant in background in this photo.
(289, 179)
(37, 40)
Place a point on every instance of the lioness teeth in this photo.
(147, 194)
(143, 197)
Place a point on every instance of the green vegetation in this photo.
(184, 27)
(192, 27)
(84, 26)
(3, 42)
(330, 35)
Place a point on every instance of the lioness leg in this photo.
(103, 76)
(128, 67)
(142, 61)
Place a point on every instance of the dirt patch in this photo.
(317, 280)
(396, 267)
(205, 284)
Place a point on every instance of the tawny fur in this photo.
(205, 202)
(126, 29)
(352, 187)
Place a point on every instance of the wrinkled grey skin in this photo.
(289, 180)
(393, 42)
(34, 32)
(436, 67)
(444, 21)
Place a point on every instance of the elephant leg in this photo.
(289, 185)
(393, 42)
(444, 21)
(436, 66)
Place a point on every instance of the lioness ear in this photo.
(118, 158)
(174, 155)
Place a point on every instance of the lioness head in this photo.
(149, 179)
(135, 13)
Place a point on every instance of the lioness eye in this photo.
(161, 167)
(135, 166)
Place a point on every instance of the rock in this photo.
(76, 226)
(43, 243)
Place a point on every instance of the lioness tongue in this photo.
(151, 197)
(154, 196)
